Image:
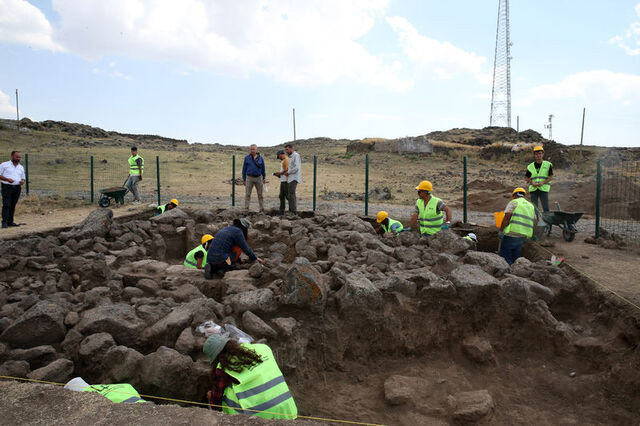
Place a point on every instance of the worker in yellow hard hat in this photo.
(169, 206)
(197, 257)
(538, 175)
(517, 225)
(429, 211)
(387, 224)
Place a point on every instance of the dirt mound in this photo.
(387, 329)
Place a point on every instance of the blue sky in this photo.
(230, 72)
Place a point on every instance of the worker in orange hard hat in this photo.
(169, 206)
(387, 224)
(429, 211)
(538, 175)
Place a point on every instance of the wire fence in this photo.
(619, 201)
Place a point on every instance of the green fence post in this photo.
(366, 186)
(598, 189)
(92, 179)
(464, 190)
(315, 167)
(26, 172)
(233, 181)
(158, 177)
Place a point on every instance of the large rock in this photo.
(354, 223)
(358, 292)
(165, 373)
(478, 350)
(261, 300)
(158, 247)
(304, 286)
(186, 342)
(447, 241)
(174, 215)
(239, 281)
(256, 327)
(121, 365)
(166, 331)
(491, 263)
(58, 371)
(119, 320)
(14, 368)
(97, 224)
(470, 407)
(399, 390)
(472, 282)
(523, 290)
(93, 347)
(42, 324)
(399, 285)
(36, 356)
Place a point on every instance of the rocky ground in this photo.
(397, 330)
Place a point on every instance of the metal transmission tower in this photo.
(501, 92)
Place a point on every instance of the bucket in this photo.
(498, 216)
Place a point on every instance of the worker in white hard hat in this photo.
(517, 225)
(197, 257)
(472, 238)
(223, 253)
(387, 224)
(538, 175)
(429, 211)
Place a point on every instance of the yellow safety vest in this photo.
(191, 261)
(522, 219)
(539, 176)
(429, 218)
(133, 165)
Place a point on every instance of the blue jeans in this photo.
(542, 196)
(511, 248)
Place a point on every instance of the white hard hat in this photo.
(473, 236)
(76, 384)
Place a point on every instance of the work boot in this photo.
(4, 225)
(208, 273)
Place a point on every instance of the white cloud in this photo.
(440, 57)
(596, 86)
(23, 23)
(630, 41)
(6, 108)
(378, 116)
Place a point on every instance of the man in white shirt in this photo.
(12, 177)
(294, 177)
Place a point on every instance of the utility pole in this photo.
(501, 89)
(582, 131)
(294, 124)
(518, 127)
(17, 111)
(549, 126)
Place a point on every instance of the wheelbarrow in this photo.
(564, 220)
(115, 192)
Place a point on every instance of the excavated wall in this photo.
(381, 329)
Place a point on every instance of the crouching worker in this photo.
(473, 239)
(169, 206)
(247, 380)
(223, 252)
(387, 224)
(121, 392)
(197, 257)
(518, 225)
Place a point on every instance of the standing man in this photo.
(518, 225)
(12, 177)
(284, 168)
(136, 167)
(294, 177)
(429, 211)
(538, 175)
(253, 174)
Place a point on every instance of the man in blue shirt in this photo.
(253, 174)
(222, 254)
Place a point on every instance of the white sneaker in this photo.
(136, 202)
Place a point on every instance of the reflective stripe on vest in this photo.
(261, 388)
(391, 223)
(539, 176)
(429, 218)
(118, 393)
(133, 166)
(191, 261)
(522, 219)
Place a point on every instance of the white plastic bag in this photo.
(209, 328)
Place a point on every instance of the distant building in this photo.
(408, 145)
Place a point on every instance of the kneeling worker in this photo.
(222, 253)
(387, 224)
(247, 380)
(518, 225)
(429, 211)
(118, 393)
(169, 206)
(197, 257)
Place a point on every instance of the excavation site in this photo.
(393, 329)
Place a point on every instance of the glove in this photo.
(500, 235)
(446, 225)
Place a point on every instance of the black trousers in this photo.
(284, 195)
(10, 195)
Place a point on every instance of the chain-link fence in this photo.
(619, 201)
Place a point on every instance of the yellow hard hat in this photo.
(382, 215)
(206, 237)
(425, 185)
(515, 191)
(175, 201)
(538, 148)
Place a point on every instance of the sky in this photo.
(231, 71)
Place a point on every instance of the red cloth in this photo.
(220, 382)
(237, 252)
